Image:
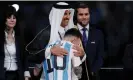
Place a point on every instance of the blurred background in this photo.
(114, 18)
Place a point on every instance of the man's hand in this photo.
(36, 71)
(79, 51)
(26, 78)
(56, 50)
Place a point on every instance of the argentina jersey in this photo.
(59, 68)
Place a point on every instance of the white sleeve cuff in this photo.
(84, 57)
(39, 65)
(27, 74)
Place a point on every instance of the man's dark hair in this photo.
(82, 5)
(73, 32)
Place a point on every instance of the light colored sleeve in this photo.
(76, 61)
(39, 66)
(47, 52)
(83, 58)
(77, 73)
(27, 74)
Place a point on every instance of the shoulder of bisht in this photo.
(33, 46)
(75, 26)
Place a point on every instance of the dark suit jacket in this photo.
(95, 49)
(21, 59)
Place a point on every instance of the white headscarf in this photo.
(55, 18)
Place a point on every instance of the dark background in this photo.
(114, 18)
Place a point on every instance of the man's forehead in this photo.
(83, 10)
(67, 11)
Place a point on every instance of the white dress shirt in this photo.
(10, 61)
(10, 55)
(81, 31)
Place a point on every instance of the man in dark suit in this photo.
(93, 43)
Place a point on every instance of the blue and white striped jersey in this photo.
(59, 68)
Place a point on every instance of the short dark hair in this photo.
(82, 5)
(73, 32)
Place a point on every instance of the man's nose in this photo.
(68, 16)
(84, 16)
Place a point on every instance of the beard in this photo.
(83, 23)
